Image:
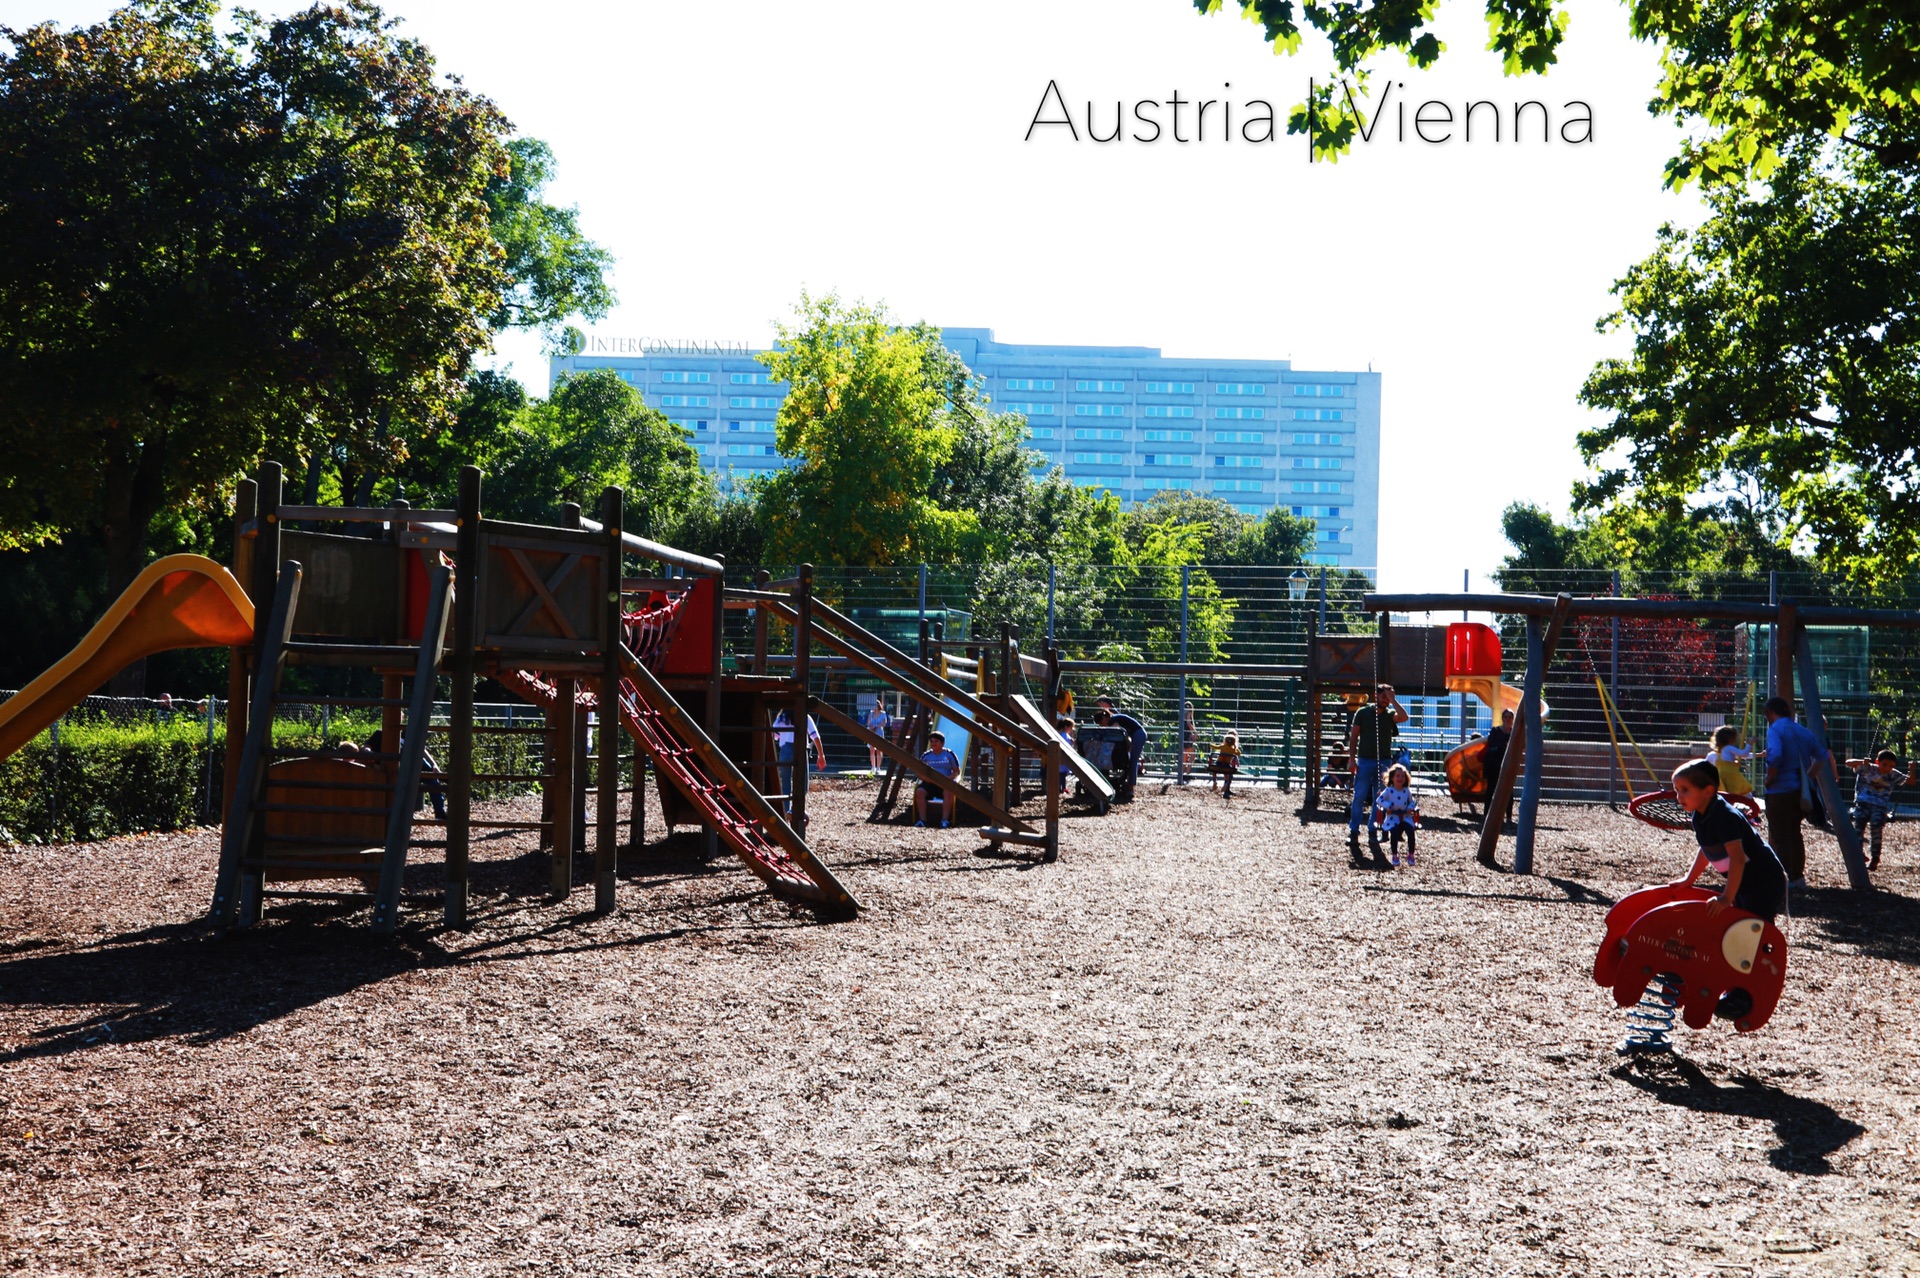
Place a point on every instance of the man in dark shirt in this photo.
(1136, 732)
(1498, 739)
(1370, 742)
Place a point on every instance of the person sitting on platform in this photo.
(947, 764)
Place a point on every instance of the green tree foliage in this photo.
(219, 247)
(1776, 363)
(1688, 550)
(596, 432)
(556, 272)
(1752, 77)
(868, 417)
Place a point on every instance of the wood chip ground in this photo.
(1204, 1042)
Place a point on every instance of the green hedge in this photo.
(109, 777)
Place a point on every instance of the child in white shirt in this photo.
(1397, 811)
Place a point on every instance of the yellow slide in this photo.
(1496, 693)
(182, 601)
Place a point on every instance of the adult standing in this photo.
(1370, 741)
(784, 753)
(1792, 750)
(876, 721)
(1498, 739)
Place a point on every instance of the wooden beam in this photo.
(606, 835)
(1823, 773)
(466, 606)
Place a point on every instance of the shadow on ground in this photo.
(1808, 1131)
(1879, 924)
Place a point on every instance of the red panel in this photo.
(1472, 649)
(692, 650)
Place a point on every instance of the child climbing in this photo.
(1875, 780)
(1727, 756)
(1397, 811)
(1755, 880)
(1226, 762)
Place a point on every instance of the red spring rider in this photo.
(1691, 951)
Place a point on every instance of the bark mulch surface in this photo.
(1205, 1041)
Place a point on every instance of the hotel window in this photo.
(751, 379)
(1329, 534)
(1033, 410)
(748, 425)
(1317, 486)
(1239, 437)
(1318, 415)
(1238, 459)
(1319, 463)
(1237, 485)
(683, 401)
(1030, 383)
(1040, 432)
(1239, 414)
(1083, 433)
(1169, 388)
(1319, 389)
(1251, 510)
(1162, 484)
(1089, 481)
(1326, 512)
(752, 401)
(1169, 436)
(1169, 459)
(1167, 410)
(1239, 388)
(686, 377)
(1099, 410)
(1100, 459)
(1102, 387)
(1303, 437)
(751, 450)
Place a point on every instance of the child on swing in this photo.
(1226, 761)
(1875, 781)
(1726, 757)
(1396, 810)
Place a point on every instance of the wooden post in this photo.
(710, 839)
(1786, 623)
(266, 547)
(1314, 763)
(760, 578)
(1006, 763)
(564, 721)
(1528, 737)
(607, 778)
(1051, 761)
(1823, 774)
(802, 672)
(460, 668)
(239, 660)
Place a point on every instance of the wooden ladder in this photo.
(251, 855)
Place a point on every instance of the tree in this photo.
(1776, 364)
(868, 419)
(1753, 78)
(223, 246)
(555, 271)
(592, 433)
(1277, 539)
(1218, 524)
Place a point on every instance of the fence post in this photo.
(53, 789)
(1050, 584)
(206, 806)
(923, 592)
(1180, 707)
(1323, 598)
(1286, 741)
(1466, 588)
(1613, 685)
(1773, 649)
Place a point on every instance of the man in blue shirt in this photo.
(1791, 751)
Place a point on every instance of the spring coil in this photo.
(1650, 1021)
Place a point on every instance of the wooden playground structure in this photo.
(554, 615)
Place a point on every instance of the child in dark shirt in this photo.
(1756, 881)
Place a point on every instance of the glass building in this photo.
(1124, 419)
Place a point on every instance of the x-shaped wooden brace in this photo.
(542, 592)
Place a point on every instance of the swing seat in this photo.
(1668, 929)
(1661, 809)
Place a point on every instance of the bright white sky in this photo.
(731, 154)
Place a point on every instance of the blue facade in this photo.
(1125, 419)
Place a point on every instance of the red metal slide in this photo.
(686, 756)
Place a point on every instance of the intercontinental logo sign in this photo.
(595, 344)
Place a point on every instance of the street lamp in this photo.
(1297, 584)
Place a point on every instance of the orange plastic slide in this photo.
(182, 601)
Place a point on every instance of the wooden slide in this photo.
(1089, 775)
